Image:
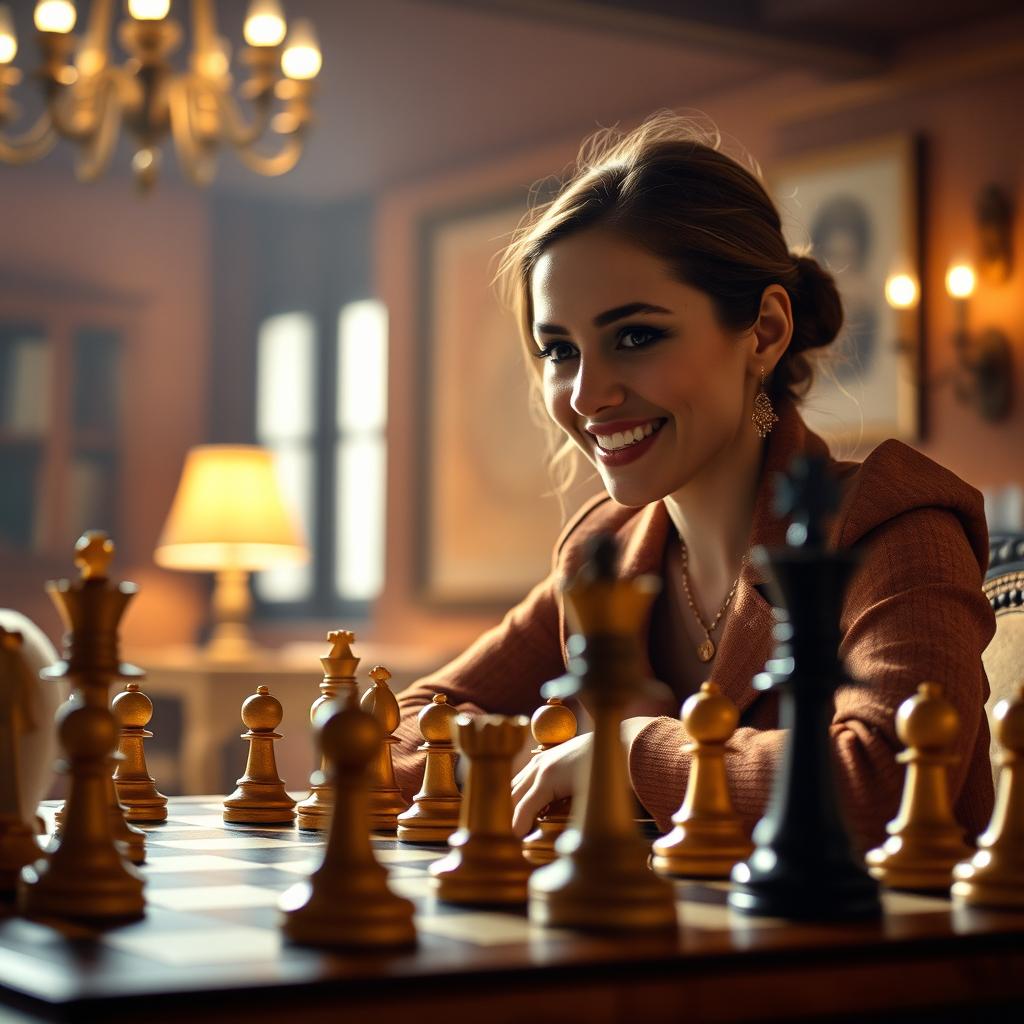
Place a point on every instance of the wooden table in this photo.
(209, 950)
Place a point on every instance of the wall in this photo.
(157, 250)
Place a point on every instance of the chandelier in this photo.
(89, 97)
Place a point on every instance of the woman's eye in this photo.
(638, 337)
(556, 351)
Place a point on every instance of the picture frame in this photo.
(488, 516)
(855, 209)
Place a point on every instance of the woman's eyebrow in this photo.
(609, 316)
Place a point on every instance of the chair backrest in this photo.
(1004, 587)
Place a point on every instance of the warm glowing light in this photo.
(960, 280)
(55, 16)
(149, 10)
(265, 24)
(217, 62)
(301, 58)
(901, 291)
(8, 40)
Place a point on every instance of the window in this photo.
(329, 440)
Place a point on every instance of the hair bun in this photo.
(817, 307)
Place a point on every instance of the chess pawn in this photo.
(346, 901)
(18, 845)
(552, 724)
(485, 864)
(85, 877)
(339, 681)
(994, 876)
(386, 800)
(260, 797)
(136, 788)
(708, 838)
(925, 842)
(434, 814)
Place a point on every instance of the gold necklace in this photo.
(706, 648)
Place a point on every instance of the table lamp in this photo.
(229, 517)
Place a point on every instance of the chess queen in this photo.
(671, 335)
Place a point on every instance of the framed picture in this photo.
(488, 517)
(855, 210)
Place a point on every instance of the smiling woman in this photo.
(672, 335)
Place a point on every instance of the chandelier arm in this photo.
(199, 166)
(98, 149)
(93, 53)
(30, 146)
(240, 133)
(275, 164)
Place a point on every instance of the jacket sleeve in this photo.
(914, 611)
(502, 673)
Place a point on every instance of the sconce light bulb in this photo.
(960, 281)
(901, 291)
(301, 58)
(8, 40)
(265, 24)
(55, 16)
(149, 10)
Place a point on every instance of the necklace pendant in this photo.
(706, 651)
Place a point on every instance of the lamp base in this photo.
(232, 603)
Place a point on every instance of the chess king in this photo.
(672, 336)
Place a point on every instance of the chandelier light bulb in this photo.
(265, 24)
(901, 291)
(301, 58)
(960, 281)
(149, 10)
(55, 16)
(8, 40)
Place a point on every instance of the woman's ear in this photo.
(773, 330)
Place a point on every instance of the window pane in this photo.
(292, 582)
(25, 373)
(285, 391)
(359, 498)
(362, 366)
(96, 390)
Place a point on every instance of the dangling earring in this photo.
(763, 417)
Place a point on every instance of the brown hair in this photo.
(666, 187)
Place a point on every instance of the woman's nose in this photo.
(595, 387)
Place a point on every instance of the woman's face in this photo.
(637, 370)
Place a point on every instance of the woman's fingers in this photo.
(529, 806)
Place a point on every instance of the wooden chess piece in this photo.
(925, 842)
(994, 876)
(708, 838)
(552, 724)
(386, 800)
(804, 866)
(260, 797)
(136, 788)
(18, 845)
(86, 876)
(339, 681)
(434, 814)
(601, 879)
(346, 901)
(485, 864)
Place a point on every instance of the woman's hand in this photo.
(550, 775)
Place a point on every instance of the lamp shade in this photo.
(229, 513)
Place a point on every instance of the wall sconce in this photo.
(984, 374)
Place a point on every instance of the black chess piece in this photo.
(803, 865)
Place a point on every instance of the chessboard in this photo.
(209, 949)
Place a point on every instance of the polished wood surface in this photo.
(924, 953)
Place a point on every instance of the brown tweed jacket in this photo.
(914, 611)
